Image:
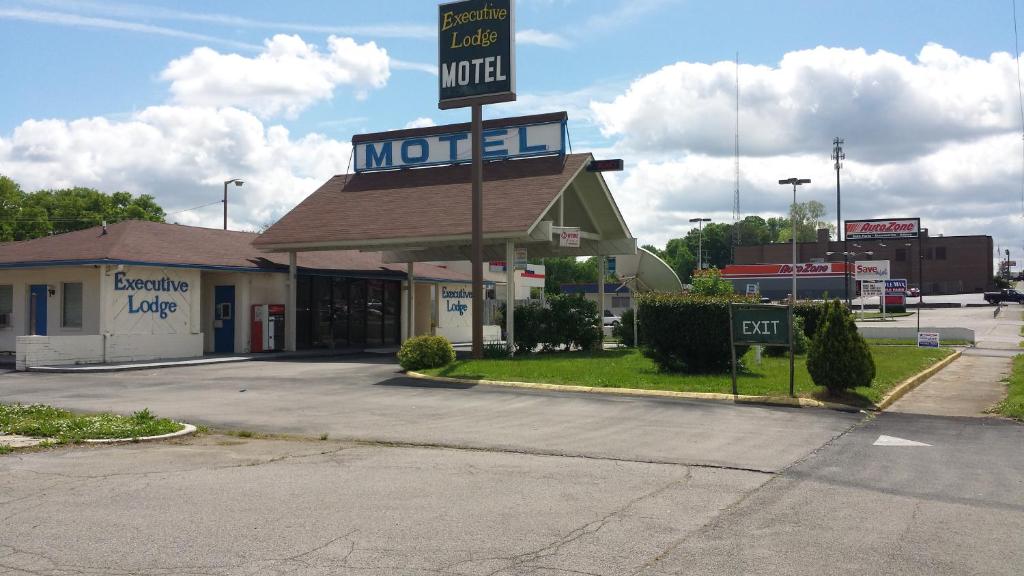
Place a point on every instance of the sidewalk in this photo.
(967, 387)
(212, 359)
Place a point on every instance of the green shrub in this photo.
(425, 352)
(812, 312)
(800, 341)
(688, 333)
(495, 349)
(710, 283)
(838, 357)
(624, 330)
(567, 321)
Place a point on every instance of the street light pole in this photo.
(237, 182)
(700, 240)
(792, 296)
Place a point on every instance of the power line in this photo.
(196, 207)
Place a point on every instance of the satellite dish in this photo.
(651, 274)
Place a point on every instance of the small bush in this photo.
(495, 350)
(838, 357)
(687, 333)
(624, 330)
(425, 352)
(573, 321)
(811, 312)
(800, 341)
(710, 283)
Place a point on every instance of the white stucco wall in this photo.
(55, 278)
(250, 288)
(455, 313)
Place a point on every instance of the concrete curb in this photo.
(187, 430)
(914, 381)
(738, 399)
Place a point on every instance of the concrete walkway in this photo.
(967, 387)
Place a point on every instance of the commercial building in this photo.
(139, 290)
(947, 264)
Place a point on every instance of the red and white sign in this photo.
(871, 270)
(820, 269)
(883, 228)
(569, 238)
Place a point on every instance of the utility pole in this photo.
(736, 156)
(838, 156)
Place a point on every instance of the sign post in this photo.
(476, 61)
(753, 324)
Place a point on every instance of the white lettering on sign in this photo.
(766, 327)
(902, 228)
(473, 71)
(455, 148)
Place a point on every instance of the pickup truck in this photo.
(1005, 295)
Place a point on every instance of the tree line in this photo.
(715, 240)
(28, 215)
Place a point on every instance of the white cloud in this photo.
(886, 106)
(181, 155)
(286, 78)
(422, 122)
(538, 38)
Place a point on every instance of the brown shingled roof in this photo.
(424, 203)
(140, 241)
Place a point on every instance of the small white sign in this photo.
(520, 261)
(928, 339)
(871, 289)
(569, 238)
(871, 270)
(753, 290)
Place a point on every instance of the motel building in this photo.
(335, 272)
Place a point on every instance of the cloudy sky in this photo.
(173, 98)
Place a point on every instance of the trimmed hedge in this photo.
(800, 341)
(624, 330)
(812, 314)
(688, 333)
(839, 357)
(567, 321)
(425, 352)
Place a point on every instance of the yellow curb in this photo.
(910, 383)
(736, 399)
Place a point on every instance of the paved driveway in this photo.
(368, 399)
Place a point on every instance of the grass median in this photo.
(1013, 406)
(629, 369)
(41, 421)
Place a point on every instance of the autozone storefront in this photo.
(814, 280)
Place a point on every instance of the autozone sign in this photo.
(871, 270)
(883, 228)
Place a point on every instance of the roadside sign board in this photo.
(871, 270)
(569, 238)
(520, 261)
(760, 324)
(881, 228)
(476, 53)
(928, 339)
(610, 266)
(753, 289)
(870, 289)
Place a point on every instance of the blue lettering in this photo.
(424, 151)
(458, 306)
(382, 158)
(453, 144)
(524, 146)
(154, 306)
(492, 143)
(119, 281)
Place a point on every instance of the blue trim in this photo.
(48, 263)
(559, 153)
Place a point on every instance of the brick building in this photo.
(949, 264)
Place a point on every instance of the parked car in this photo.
(913, 292)
(1005, 295)
(611, 319)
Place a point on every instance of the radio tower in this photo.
(736, 157)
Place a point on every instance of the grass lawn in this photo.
(41, 421)
(1013, 406)
(629, 369)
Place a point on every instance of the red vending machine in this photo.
(267, 334)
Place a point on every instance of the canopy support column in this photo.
(510, 295)
(291, 310)
(410, 302)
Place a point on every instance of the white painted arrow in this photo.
(894, 441)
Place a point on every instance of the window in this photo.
(940, 253)
(901, 254)
(6, 305)
(72, 305)
(620, 301)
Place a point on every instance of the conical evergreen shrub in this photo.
(839, 357)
